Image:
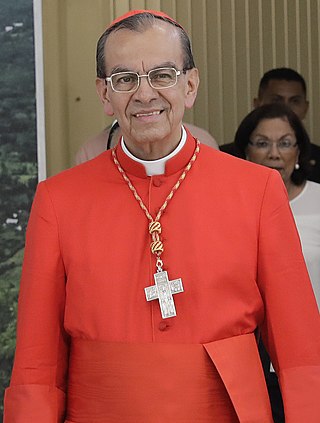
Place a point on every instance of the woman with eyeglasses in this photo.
(274, 136)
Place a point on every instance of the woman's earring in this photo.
(297, 166)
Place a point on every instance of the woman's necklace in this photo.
(164, 289)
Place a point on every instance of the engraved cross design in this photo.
(163, 290)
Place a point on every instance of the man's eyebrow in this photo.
(120, 68)
(166, 65)
(298, 96)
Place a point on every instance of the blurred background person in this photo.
(273, 136)
(284, 85)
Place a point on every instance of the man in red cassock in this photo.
(151, 271)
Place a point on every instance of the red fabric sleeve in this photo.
(40, 366)
(33, 404)
(291, 329)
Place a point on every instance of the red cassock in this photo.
(91, 349)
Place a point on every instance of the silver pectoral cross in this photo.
(163, 290)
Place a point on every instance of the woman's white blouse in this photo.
(306, 211)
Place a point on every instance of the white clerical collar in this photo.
(156, 167)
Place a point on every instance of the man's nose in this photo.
(286, 102)
(145, 91)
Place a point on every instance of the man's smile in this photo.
(146, 114)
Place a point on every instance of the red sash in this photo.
(145, 383)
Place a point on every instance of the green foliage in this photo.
(18, 163)
(8, 311)
(8, 303)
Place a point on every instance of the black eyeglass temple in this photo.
(113, 128)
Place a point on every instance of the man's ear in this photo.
(306, 108)
(102, 91)
(256, 103)
(192, 87)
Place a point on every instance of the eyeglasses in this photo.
(266, 145)
(159, 79)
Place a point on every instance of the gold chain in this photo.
(155, 226)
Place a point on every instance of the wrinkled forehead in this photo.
(155, 44)
(145, 29)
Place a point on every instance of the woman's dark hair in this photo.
(140, 22)
(273, 111)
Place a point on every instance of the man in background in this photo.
(287, 86)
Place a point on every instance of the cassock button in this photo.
(163, 326)
(157, 182)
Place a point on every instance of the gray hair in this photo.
(139, 23)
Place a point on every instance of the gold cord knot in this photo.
(156, 247)
(156, 244)
(155, 226)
